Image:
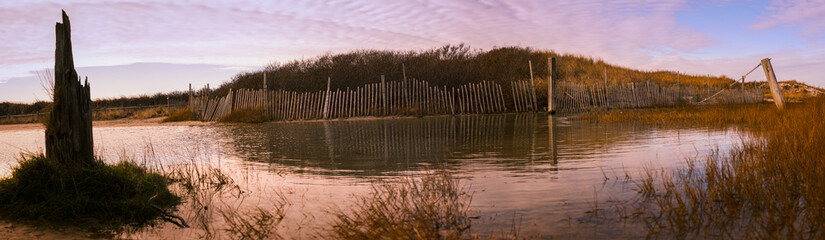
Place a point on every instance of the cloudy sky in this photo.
(148, 46)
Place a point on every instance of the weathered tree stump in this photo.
(69, 126)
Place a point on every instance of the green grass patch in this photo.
(245, 115)
(182, 115)
(102, 197)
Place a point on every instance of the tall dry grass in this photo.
(770, 186)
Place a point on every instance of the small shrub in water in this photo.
(102, 196)
(434, 207)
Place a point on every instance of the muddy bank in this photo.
(12, 231)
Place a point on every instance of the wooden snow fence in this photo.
(418, 98)
(578, 97)
(397, 98)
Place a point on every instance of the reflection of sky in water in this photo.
(548, 171)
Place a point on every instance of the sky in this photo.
(134, 47)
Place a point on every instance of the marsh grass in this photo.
(769, 186)
(103, 198)
(245, 115)
(746, 115)
(435, 206)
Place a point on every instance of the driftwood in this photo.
(69, 126)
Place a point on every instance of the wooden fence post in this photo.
(265, 99)
(532, 87)
(190, 97)
(742, 89)
(326, 100)
(678, 88)
(708, 79)
(551, 65)
(383, 96)
(776, 92)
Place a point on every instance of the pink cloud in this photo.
(253, 33)
(806, 14)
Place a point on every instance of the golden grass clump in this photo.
(109, 114)
(769, 187)
(245, 115)
(120, 113)
(19, 120)
(150, 113)
(181, 115)
(432, 207)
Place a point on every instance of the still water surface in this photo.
(539, 173)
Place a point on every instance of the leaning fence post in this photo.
(776, 92)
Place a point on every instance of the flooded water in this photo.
(540, 174)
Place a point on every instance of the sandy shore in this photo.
(109, 123)
(157, 122)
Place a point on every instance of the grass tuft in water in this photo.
(432, 207)
(97, 198)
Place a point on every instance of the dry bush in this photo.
(450, 65)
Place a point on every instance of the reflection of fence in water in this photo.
(398, 144)
(413, 97)
(384, 143)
